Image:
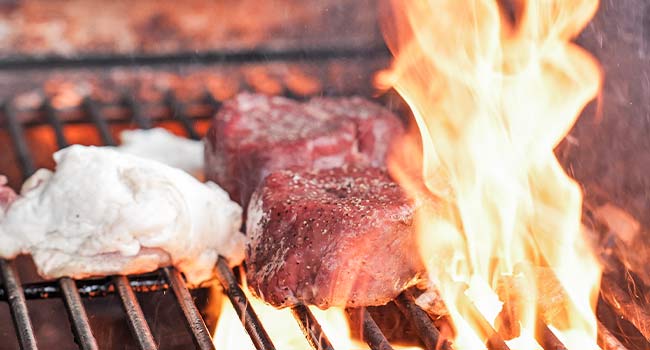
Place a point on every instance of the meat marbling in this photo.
(337, 237)
(253, 135)
(103, 212)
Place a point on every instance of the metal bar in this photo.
(546, 338)
(427, 331)
(493, 340)
(136, 112)
(95, 115)
(372, 335)
(91, 287)
(18, 305)
(607, 340)
(137, 322)
(212, 101)
(193, 318)
(311, 328)
(178, 112)
(55, 122)
(244, 310)
(77, 313)
(17, 137)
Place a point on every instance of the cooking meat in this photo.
(103, 212)
(375, 125)
(336, 237)
(253, 135)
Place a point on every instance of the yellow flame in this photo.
(491, 100)
(283, 328)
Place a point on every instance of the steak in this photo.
(376, 126)
(253, 135)
(335, 237)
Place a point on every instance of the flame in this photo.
(492, 98)
(282, 328)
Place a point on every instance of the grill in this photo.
(72, 291)
(183, 115)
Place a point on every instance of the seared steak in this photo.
(337, 237)
(253, 135)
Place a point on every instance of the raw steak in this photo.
(337, 237)
(376, 126)
(253, 135)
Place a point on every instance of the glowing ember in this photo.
(492, 100)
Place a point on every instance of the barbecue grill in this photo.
(321, 69)
(125, 287)
(169, 279)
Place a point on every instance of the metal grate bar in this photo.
(244, 310)
(311, 328)
(195, 322)
(178, 112)
(91, 287)
(546, 338)
(55, 122)
(371, 332)
(93, 111)
(17, 137)
(83, 334)
(493, 340)
(18, 305)
(136, 112)
(424, 326)
(137, 322)
(210, 100)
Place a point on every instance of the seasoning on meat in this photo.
(104, 212)
(337, 237)
(253, 135)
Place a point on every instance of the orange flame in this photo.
(492, 99)
(283, 329)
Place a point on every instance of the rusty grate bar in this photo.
(546, 338)
(18, 305)
(177, 111)
(373, 336)
(92, 109)
(247, 315)
(193, 318)
(77, 314)
(311, 328)
(55, 122)
(427, 331)
(136, 112)
(17, 135)
(137, 322)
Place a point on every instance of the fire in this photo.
(492, 98)
(282, 328)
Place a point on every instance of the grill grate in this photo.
(72, 291)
